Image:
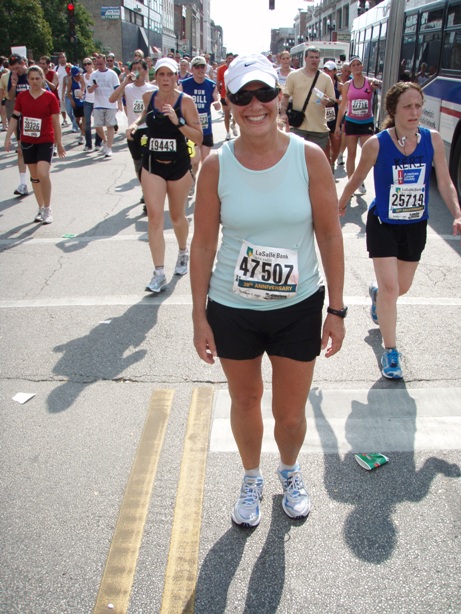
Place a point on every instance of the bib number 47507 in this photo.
(267, 271)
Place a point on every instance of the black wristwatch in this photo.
(341, 313)
(182, 122)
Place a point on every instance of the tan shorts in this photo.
(104, 117)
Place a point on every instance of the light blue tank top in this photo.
(269, 208)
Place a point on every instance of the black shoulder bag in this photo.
(296, 118)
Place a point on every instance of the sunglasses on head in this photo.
(244, 97)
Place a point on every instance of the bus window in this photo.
(411, 21)
(432, 20)
(451, 53)
(407, 57)
(373, 56)
(454, 16)
(429, 47)
(382, 50)
(367, 50)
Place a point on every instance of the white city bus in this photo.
(418, 40)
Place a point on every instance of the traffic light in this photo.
(71, 17)
(271, 5)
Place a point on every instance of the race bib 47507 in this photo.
(266, 273)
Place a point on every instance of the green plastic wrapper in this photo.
(371, 460)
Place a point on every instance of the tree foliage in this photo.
(56, 14)
(43, 27)
(22, 23)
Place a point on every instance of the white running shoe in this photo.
(47, 217)
(181, 263)
(21, 190)
(340, 160)
(361, 189)
(157, 283)
(81, 139)
(228, 136)
(246, 511)
(108, 152)
(39, 216)
(295, 502)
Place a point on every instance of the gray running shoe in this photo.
(182, 264)
(157, 283)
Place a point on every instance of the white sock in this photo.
(160, 270)
(253, 473)
(283, 467)
(183, 251)
(22, 178)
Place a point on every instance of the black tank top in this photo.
(165, 140)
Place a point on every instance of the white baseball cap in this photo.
(330, 65)
(167, 63)
(246, 68)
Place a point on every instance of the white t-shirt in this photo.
(134, 102)
(107, 81)
(61, 72)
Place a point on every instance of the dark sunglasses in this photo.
(87, 63)
(244, 97)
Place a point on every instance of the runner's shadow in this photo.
(217, 572)
(267, 578)
(109, 227)
(374, 496)
(105, 353)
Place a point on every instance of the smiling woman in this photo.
(272, 194)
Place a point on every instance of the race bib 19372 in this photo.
(266, 273)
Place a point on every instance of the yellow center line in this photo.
(182, 566)
(114, 591)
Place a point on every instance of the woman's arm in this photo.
(368, 159)
(56, 120)
(444, 183)
(203, 251)
(193, 129)
(342, 106)
(322, 192)
(12, 125)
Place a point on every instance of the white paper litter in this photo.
(23, 397)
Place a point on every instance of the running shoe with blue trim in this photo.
(373, 290)
(390, 362)
(246, 512)
(296, 502)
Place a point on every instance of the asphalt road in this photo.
(118, 476)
